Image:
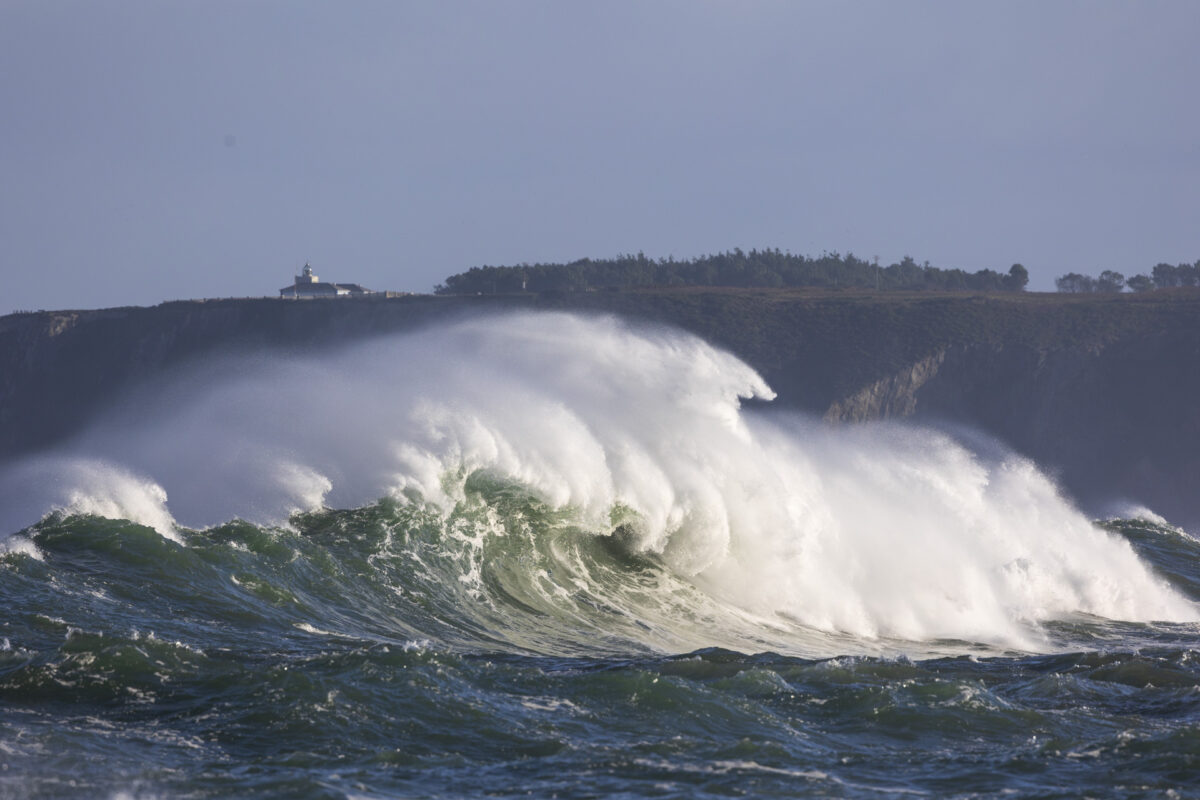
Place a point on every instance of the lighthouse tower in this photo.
(306, 276)
(309, 286)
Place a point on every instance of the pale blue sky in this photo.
(162, 150)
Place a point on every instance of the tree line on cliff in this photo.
(756, 268)
(1163, 276)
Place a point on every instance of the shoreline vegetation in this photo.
(773, 269)
(765, 269)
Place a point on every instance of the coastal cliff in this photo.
(1099, 389)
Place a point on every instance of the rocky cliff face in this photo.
(1116, 423)
(890, 397)
(59, 368)
(1105, 391)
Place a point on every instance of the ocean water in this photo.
(549, 555)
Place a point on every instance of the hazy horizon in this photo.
(156, 152)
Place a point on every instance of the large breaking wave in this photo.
(763, 529)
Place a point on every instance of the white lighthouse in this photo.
(308, 285)
(306, 276)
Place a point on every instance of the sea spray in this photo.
(761, 519)
(74, 484)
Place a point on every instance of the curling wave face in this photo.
(605, 481)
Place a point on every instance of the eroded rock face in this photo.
(890, 397)
(1119, 422)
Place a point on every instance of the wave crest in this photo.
(880, 531)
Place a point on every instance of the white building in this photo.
(308, 285)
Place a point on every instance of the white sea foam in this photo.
(1130, 510)
(75, 484)
(874, 531)
(22, 545)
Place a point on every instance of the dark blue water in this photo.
(593, 574)
(346, 657)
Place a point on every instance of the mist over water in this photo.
(773, 526)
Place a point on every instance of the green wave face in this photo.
(504, 646)
(502, 572)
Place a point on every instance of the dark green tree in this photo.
(1075, 283)
(1189, 274)
(1016, 279)
(1110, 281)
(1140, 283)
(1165, 276)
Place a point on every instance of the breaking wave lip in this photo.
(878, 531)
(1129, 510)
(86, 486)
